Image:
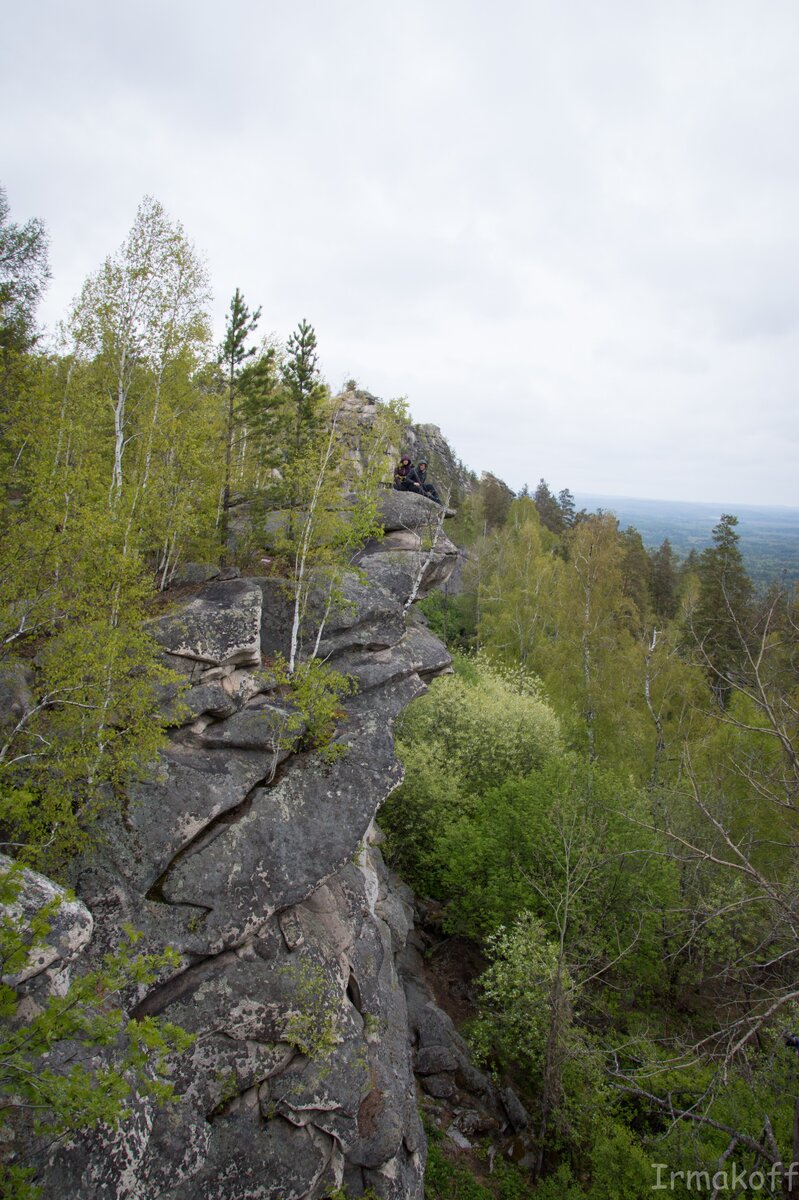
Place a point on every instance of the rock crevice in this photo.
(257, 862)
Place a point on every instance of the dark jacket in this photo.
(404, 476)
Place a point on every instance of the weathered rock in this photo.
(70, 922)
(417, 653)
(169, 812)
(193, 573)
(410, 572)
(220, 625)
(457, 1138)
(407, 511)
(432, 1060)
(282, 1161)
(262, 727)
(440, 1086)
(258, 863)
(367, 616)
(294, 833)
(16, 698)
(195, 702)
(469, 1099)
(517, 1113)
(426, 443)
(327, 1091)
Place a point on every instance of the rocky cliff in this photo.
(300, 974)
(422, 442)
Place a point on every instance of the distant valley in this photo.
(769, 535)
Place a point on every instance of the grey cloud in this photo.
(567, 231)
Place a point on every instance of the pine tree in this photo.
(305, 392)
(24, 272)
(567, 508)
(663, 580)
(548, 508)
(234, 353)
(721, 619)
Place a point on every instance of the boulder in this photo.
(70, 922)
(408, 511)
(193, 573)
(410, 572)
(220, 625)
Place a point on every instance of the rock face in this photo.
(256, 860)
(70, 930)
(422, 442)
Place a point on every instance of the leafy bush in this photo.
(471, 731)
(565, 828)
(491, 721)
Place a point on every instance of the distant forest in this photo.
(769, 535)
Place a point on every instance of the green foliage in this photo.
(446, 1179)
(452, 618)
(663, 580)
(92, 719)
(516, 573)
(516, 989)
(470, 731)
(329, 519)
(23, 274)
(491, 721)
(313, 1023)
(719, 623)
(57, 1102)
(616, 1167)
(549, 510)
(315, 691)
(564, 830)
(574, 612)
(233, 355)
(343, 1194)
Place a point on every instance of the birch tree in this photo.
(135, 317)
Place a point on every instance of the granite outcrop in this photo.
(258, 861)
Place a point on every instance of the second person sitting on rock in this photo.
(418, 475)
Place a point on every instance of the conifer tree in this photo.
(721, 619)
(306, 395)
(567, 507)
(548, 508)
(234, 353)
(663, 576)
(24, 272)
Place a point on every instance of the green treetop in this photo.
(720, 621)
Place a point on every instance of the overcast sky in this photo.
(568, 231)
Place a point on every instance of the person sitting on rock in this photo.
(419, 476)
(404, 476)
